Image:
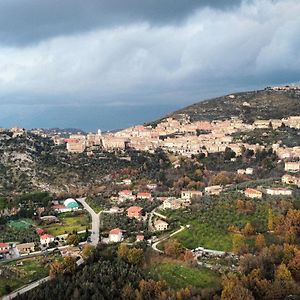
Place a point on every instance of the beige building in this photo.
(161, 225)
(25, 248)
(291, 166)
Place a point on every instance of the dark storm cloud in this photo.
(28, 21)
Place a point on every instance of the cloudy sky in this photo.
(113, 63)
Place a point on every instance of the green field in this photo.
(204, 235)
(68, 224)
(180, 276)
(18, 275)
(20, 224)
(209, 221)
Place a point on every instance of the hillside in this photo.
(263, 104)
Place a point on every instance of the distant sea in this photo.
(88, 118)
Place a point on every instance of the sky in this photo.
(115, 63)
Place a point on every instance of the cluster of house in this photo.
(272, 191)
(180, 136)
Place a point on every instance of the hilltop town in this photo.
(211, 196)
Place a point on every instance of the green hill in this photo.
(263, 104)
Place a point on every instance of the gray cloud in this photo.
(29, 21)
(133, 57)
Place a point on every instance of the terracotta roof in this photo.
(46, 236)
(4, 245)
(134, 209)
(115, 231)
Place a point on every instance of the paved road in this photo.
(154, 245)
(95, 221)
(25, 289)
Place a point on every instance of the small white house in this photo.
(115, 235)
(45, 239)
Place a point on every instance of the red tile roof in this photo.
(115, 231)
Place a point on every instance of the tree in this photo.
(69, 265)
(87, 250)
(282, 273)
(294, 266)
(56, 268)
(248, 229)
(73, 239)
(234, 290)
(270, 220)
(260, 242)
(238, 244)
(135, 256)
(123, 251)
(173, 248)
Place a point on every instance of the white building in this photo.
(115, 235)
(279, 192)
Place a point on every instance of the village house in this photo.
(115, 210)
(292, 166)
(144, 196)
(134, 212)
(289, 179)
(4, 248)
(126, 195)
(160, 225)
(189, 195)
(70, 251)
(279, 192)
(253, 193)
(213, 190)
(151, 186)
(25, 248)
(115, 235)
(172, 203)
(45, 239)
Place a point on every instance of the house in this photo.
(126, 181)
(4, 248)
(171, 203)
(134, 212)
(115, 210)
(160, 225)
(253, 193)
(45, 239)
(188, 195)
(151, 186)
(144, 196)
(126, 195)
(292, 166)
(288, 179)
(139, 238)
(115, 235)
(213, 190)
(71, 251)
(279, 192)
(25, 248)
(249, 171)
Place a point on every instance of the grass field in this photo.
(69, 224)
(180, 276)
(210, 219)
(204, 235)
(20, 224)
(18, 275)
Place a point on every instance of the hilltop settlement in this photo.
(191, 207)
